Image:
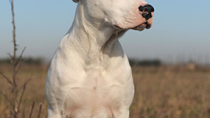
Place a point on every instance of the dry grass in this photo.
(34, 91)
(164, 92)
(171, 93)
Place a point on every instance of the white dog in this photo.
(89, 75)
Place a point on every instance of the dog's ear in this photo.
(76, 1)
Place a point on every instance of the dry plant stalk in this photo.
(32, 107)
(40, 109)
(15, 99)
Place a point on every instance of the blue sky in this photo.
(181, 29)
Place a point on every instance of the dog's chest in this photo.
(96, 90)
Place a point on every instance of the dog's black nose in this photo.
(146, 11)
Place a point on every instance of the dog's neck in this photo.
(91, 41)
(91, 34)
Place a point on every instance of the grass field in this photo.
(160, 92)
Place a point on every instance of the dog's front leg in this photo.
(51, 113)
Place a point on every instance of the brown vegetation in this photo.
(171, 92)
(161, 92)
(34, 91)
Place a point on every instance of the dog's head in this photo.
(120, 14)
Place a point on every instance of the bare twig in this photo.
(32, 107)
(14, 29)
(6, 78)
(15, 106)
(14, 102)
(18, 69)
(40, 109)
(20, 57)
(14, 41)
(24, 110)
(6, 98)
(19, 103)
(11, 57)
(24, 84)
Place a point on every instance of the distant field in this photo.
(160, 92)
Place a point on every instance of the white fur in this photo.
(89, 75)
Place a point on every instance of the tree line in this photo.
(27, 60)
(40, 61)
